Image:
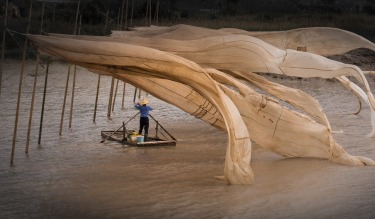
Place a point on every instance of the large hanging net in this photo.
(202, 71)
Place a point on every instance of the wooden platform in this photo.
(151, 141)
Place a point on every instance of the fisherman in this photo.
(144, 121)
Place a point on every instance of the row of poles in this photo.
(112, 97)
(120, 24)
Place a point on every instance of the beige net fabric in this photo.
(190, 75)
(315, 40)
(324, 41)
(237, 50)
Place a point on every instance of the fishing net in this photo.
(202, 71)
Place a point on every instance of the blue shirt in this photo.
(144, 109)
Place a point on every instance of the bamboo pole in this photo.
(135, 94)
(118, 19)
(146, 14)
(150, 18)
(43, 103)
(157, 13)
(139, 94)
(53, 17)
(131, 16)
(74, 77)
(75, 25)
(97, 89)
(114, 98)
(122, 14)
(96, 99)
(20, 87)
(33, 96)
(126, 14)
(123, 97)
(72, 100)
(80, 24)
(42, 17)
(106, 22)
(67, 79)
(63, 109)
(3, 44)
(74, 80)
(110, 97)
(32, 107)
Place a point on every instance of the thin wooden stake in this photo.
(131, 17)
(43, 103)
(80, 25)
(75, 71)
(150, 18)
(114, 98)
(36, 70)
(63, 109)
(96, 99)
(42, 17)
(122, 14)
(75, 26)
(157, 13)
(3, 44)
(126, 15)
(32, 107)
(72, 100)
(135, 94)
(118, 19)
(53, 17)
(123, 97)
(106, 22)
(110, 97)
(139, 94)
(146, 11)
(20, 88)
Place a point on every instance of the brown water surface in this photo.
(76, 176)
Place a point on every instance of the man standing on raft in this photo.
(144, 121)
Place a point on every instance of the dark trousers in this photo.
(143, 124)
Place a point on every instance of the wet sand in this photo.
(76, 176)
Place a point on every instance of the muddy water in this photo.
(76, 176)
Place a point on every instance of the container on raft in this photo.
(140, 139)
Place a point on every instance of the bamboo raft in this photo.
(151, 141)
(123, 136)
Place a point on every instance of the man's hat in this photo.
(143, 102)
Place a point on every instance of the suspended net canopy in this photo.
(201, 71)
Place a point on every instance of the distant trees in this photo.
(169, 9)
(369, 8)
(93, 11)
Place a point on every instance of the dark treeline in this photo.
(94, 11)
(99, 17)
